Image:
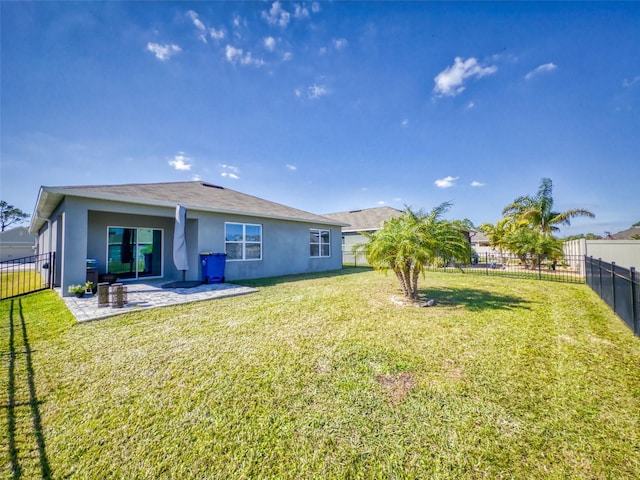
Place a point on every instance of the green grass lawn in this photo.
(12, 284)
(322, 377)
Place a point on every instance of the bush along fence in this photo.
(567, 269)
(20, 276)
(619, 287)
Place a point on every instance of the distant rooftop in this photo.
(632, 233)
(367, 219)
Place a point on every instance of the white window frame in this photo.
(243, 242)
(320, 243)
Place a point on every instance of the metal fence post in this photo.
(634, 304)
(599, 276)
(613, 286)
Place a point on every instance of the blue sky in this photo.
(330, 106)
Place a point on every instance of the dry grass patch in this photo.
(397, 386)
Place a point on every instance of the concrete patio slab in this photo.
(144, 296)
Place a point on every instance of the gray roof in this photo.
(632, 233)
(478, 237)
(195, 195)
(17, 236)
(367, 219)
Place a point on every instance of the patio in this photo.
(144, 296)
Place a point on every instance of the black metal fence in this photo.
(567, 269)
(26, 275)
(619, 287)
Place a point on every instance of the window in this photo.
(319, 244)
(243, 241)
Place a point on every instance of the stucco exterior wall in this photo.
(285, 246)
(81, 232)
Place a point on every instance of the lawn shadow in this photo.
(474, 299)
(15, 355)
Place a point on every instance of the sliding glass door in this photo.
(134, 252)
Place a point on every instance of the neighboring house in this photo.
(632, 233)
(16, 243)
(480, 243)
(365, 220)
(129, 230)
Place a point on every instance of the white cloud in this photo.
(270, 43)
(446, 182)
(629, 83)
(477, 184)
(163, 52)
(547, 67)
(195, 177)
(317, 91)
(276, 15)
(286, 56)
(233, 54)
(405, 122)
(196, 21)
(229, 171)
(236, 55)
(300, 11)
(180, 162)
(450, 81)
(216, 34)
(382, 202)
(230, 168)
(340, 43)
(293, 168)
(471, 105)
(315, 7)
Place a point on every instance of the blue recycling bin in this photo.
(213, 267)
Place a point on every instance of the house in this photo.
(365, 220)
(632, 233)
(129, 230)
(480, 243)
(16, 243)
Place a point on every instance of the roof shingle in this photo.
(364, 220)
(195, 195)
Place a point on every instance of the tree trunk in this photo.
(403, 283)
(415, 274)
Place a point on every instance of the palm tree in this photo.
(409, 243)
(537, 211)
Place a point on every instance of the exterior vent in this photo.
(210, 185)
(355, 211)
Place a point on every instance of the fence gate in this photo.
(20, 276)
